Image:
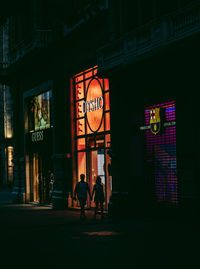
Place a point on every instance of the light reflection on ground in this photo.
(102, 233)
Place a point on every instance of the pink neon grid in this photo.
(161, 153)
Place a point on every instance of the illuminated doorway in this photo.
(91, 130)
(98, 165)
(34, 177)
(38, 172)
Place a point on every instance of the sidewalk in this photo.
(59, 237)
(5, 196)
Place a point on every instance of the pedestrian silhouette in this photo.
(98, 196)
(51, 186)
(81, 190)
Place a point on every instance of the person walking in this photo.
(98, 196)
(51, 186)
(81, 190)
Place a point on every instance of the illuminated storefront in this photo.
(91, 129)
(38, 146)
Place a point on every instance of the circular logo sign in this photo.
(93, 106)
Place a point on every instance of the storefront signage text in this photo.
(37, 136)
(92, 105)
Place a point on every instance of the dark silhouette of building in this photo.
(6, 132)
(106, 88)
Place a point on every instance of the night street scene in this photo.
(99, 134)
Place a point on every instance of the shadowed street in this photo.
(99, 109)
(39, 235)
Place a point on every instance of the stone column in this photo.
(126, 142)
(61, 142)
(19, 180)
(118, 127)
(2, 140)
(18, 142)
(61, 190)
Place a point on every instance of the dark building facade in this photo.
(106, 88)
(6, 116)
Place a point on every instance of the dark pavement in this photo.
(39, 236)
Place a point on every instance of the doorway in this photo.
(38, 179)
(34, 178)
(98, 164)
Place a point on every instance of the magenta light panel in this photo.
(161, 153)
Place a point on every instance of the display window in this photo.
(38, 137)
(91, 130)
(37, 112)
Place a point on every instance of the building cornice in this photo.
(150, 38)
